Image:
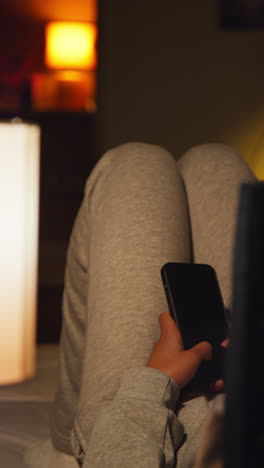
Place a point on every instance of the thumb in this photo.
(203, 351)
(170, 330)
(167, 324)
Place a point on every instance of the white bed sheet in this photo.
(25, 409)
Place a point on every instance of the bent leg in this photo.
(212, 175)
(133, 220)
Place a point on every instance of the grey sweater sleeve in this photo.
(138, 428)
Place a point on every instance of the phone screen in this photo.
(195, 302)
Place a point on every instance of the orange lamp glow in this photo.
(71, 46)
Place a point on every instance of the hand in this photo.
(169, 356)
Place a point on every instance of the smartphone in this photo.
(195, 303)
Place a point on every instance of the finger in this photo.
(193, 357)
(167, 323)
(204, 350)
(169, 328)
(196, 355)
(166, 316)
(225, 343)
(217, 386)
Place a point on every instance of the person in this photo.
(122, 366)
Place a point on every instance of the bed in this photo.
(25, 408)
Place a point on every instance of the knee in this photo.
(133, 167)
(131, 161)
(135, 154)
(214, 159)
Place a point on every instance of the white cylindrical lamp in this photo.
(19, 213)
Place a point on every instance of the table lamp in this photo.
(69, 82)
(19, 207)
(70, 45)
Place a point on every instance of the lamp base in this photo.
(64, 90)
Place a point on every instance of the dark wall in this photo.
(169, 74)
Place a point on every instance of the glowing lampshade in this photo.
(71, 45)
(19, 202)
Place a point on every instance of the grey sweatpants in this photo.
(141, 209)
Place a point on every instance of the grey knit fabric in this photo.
(141, 209)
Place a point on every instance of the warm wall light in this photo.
(71, 45)
(19, 202)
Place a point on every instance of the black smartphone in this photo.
(195, 303)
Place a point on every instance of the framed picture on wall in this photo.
(241, 14)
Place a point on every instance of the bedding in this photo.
(25, 408)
